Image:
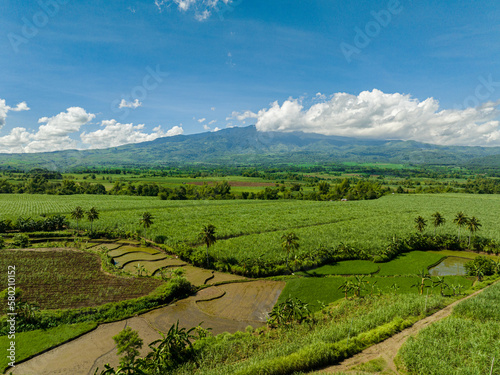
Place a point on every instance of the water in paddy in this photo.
(450, 266)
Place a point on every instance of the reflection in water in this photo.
(450, 266)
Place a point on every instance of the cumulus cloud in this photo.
(4, 109)
(135, 104)
(203, 9)
(61, 132)
(242, 116)
(202, 120)
(374, 114)
(206, 127)
(53, 135)
(115, 134)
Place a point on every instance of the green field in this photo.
(410, 263)
(249, 229)
(468, 342)
(348, 267)
(319, 291)
(254, 228)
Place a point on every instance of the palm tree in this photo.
(473, 225)
(460, 220)
(77, 214)
(147, 220)
(289, 244)
(420, 224)
(92, 215)
(207, 235)
(438, 221)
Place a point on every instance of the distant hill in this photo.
(247, 146)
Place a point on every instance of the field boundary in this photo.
(51, 348)
(389, 347)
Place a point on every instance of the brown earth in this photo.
(83, 355)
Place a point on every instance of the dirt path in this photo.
(221, 308)
(388, 349)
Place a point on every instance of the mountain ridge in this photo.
(248, 146)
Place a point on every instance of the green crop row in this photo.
(468, 342)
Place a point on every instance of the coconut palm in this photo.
(207, 236)
(147, 220)
(438, 221)
(473, 226)
(289, 244)
(92, 215)
(420, 223)
(77, 214)
(460, 220)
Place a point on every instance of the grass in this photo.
(464, 343)
(319, 291)
(33, 342)
(409, 263)
(348, 267)
(68, 279)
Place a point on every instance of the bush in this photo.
(482, 263)
(2, 242)
(160, 239)
(21, 240)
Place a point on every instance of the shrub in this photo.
(160, 239)
(482, 263)
(21, 240)
(2, 242)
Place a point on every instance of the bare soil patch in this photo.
(62, 278)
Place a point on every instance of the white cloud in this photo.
(216, 130)
(55, 133)
(374, 114)
(201, 120)
(242, 116)
(63, 124)
(135, 104)
(15, 141)
(52, 136)
(213, 108)
(212, 122)
(4, 109)
(203, 9)
(206, 127)
(115, 134)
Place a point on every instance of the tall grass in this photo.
(306, 347)
(464, 343)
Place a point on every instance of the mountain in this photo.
(247, 146)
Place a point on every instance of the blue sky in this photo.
(93, 74)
